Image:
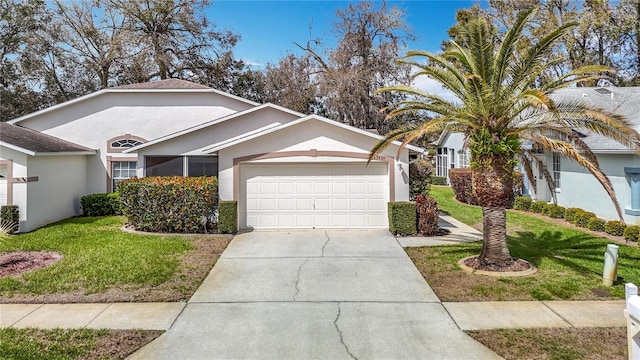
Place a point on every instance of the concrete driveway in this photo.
(314, 295)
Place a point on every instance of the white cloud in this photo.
(249, 62)
(431, 86)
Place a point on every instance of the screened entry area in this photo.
(181, 165)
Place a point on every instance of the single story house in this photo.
(285, 169)
(576, 187)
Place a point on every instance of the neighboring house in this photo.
(451, 152)
(576, 187)
(285, 169)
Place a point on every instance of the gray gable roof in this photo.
(621, 100)
(164, 84)
(34, 142)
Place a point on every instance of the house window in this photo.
(452, 158)
(463, 158)
(181, 166)
(123, 142)
(122, 170)
(202, 166)
(164, 166)
(441, 162)
(556, 170)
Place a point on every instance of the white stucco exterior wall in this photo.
(193, 143)
(311, 134)
(581, 189)
(149, 115)
(56, 194)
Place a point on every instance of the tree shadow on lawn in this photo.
(583, 254)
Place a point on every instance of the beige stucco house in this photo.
(285, 169)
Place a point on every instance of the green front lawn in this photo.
(569, 261)
(34, 344)
(98, 257)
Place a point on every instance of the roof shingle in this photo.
(36, 141)
(164, 84)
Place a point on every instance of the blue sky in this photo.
(269, 27)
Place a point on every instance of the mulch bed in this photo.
(16, 263)
(518, 265)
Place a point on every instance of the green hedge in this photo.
(537, 206)
(582, 218)
(596, 224)
(101, 204)
(570, 214)
(170, 204)
(522, 203)
(438, 180)
(228, 217)
(631, 233)
(419, 178)
(10, 217)
(615, 227)
(553, 211)
(402, 217)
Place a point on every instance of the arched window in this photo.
(120, 143)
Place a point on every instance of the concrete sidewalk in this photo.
(466, 315)
(458, 233)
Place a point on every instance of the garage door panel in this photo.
(319, 195)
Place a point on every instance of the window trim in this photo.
(111, 149)
(110, 161)
(557, 170)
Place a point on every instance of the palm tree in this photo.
(501, 104)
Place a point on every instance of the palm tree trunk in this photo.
(493, 189)
(494, 238)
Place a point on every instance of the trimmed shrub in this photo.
(438, 180)
(228, 217)
(101, 204)
(615, 227)
(420, 178)
(460, 179)
(596, 224)
(537, 206)
(171, 204)
(402, 217)
(427, 215)
(553, 211)
(631, 233)
(522, 203)
(10, 217)
(582, 218)
(570, 214)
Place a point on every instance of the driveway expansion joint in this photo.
(335, 324)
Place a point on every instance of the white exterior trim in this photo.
(269, 130)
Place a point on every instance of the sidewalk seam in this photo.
(29, 313)
(177, 316)
(558, 314)
(451, 316)
(98, 314)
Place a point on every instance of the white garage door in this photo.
(313, 196)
